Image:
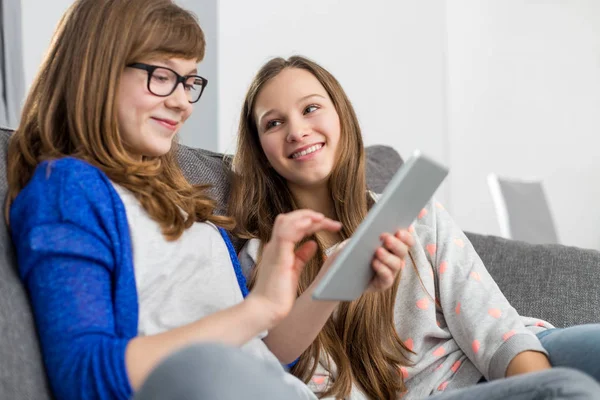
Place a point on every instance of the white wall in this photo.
(524, 95)
(201, 129)
(40, 18)
(508, 86)
(388, 56)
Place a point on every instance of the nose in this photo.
(298, 129)
(178, 99)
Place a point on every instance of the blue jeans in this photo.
(576, 347)
(213, 371)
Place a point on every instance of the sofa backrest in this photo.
(22, 375)
(556, 283)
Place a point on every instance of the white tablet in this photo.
(403, 198)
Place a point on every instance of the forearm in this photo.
(299, 329)
(527, 361)
(233, 326)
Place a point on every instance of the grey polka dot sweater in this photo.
(448, 311)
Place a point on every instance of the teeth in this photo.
(311, 149)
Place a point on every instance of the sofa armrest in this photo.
(556, 283)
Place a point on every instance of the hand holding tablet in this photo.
(409, 190)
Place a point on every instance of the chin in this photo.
(312, 181)
(158, 150)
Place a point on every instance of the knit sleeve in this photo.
(67, 263)
(481, 320)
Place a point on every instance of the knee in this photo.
(571, 383)
(570, 374)
(190, 373)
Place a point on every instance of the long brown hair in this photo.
(71, 107)
(361, 340)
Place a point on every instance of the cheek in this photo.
(188, 112)
(337, 129)
(331, 125)
(132, 109)
(269, 147)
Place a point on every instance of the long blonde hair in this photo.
(361, 339)
(71, 107)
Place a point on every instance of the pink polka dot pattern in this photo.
(457, 309)
(494, 312)
(409, 344)
(423, 304)
(319, 379)
(443, 267)
(443, 386)
(475, 276)
(422, 214)
(508, 335)
(455, 366)
(431, 249)
(439, 352)
(476, 346)
(459, 242)
(404, 372)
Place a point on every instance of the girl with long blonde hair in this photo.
(443, 324)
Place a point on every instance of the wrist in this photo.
(261, 312)
(527, 361)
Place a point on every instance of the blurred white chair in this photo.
(522, 210)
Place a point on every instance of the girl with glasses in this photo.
(124, 261)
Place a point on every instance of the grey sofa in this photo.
(556, 283)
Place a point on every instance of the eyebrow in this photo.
(271, 111)
(171, 65)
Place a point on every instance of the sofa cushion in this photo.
(559, 284)
(21, 372)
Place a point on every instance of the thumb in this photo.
(304, 254)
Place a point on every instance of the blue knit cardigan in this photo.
(74, 253)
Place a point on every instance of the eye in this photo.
(310, 109)
(192, 84)
(272, 124)
(160, 77)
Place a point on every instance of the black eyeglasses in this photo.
(163, 81)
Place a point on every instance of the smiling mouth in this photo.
(310, 150)
(167, 123)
